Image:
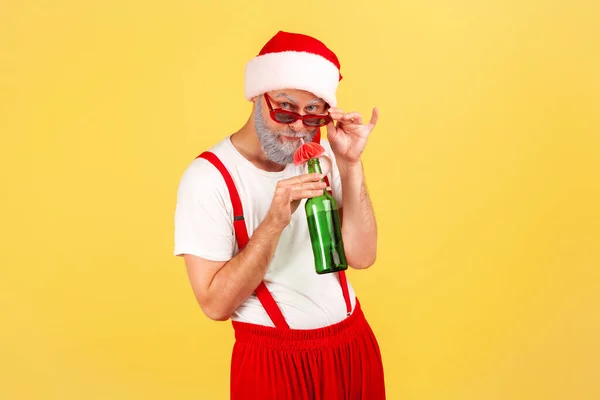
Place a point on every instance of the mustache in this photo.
(291, 133)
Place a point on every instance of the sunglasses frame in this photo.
(295, 115)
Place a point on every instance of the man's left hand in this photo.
(348, 138)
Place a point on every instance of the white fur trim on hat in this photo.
(292, 70)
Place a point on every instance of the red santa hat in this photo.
(294, 61)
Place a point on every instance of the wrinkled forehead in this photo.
(298, 97)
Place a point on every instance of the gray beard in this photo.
(276, 151)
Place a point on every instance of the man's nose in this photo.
(296, 126)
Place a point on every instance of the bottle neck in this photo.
(314, 167)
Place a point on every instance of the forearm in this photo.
(240, 276)
(359, 227)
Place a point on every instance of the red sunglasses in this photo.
(289, 117)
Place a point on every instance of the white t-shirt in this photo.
(204, 227)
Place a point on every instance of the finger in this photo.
(306, 190)
(335, 110)
(298, 179)
(336, 114)
(310, 177)
(331, 131)
(352, 118)
(306, 194)
(374, 118)
(309, 185)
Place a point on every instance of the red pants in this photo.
(341, 361)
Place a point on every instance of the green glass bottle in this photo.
(325, 229)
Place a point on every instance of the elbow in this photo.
(214, 311)
(363, 260)
(361, 248)
(216, 315)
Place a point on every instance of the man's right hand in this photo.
(288, 194)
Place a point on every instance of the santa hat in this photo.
(294, 61)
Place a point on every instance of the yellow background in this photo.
(484, 172)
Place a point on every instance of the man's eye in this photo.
(312, 108)
(284, 105)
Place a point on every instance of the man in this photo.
(241, 228)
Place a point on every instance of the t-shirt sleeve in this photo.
(334, 175)
(203, 214)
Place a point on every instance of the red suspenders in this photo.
(241, 234)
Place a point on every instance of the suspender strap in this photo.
(344, 284)
(239, 225)
(342, 275)
(241, 234)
